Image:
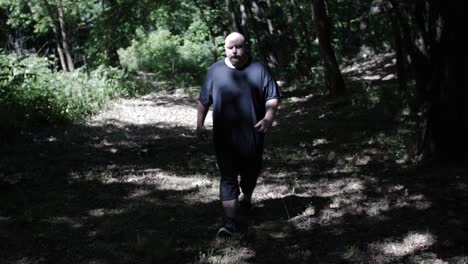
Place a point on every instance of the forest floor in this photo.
(133, 184)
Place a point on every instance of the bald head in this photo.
(234, 36)
(236, 50)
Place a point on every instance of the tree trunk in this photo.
(66, 48)
(236, 25)
(61, 57)
(245, 19)
(334, 79)
(55, 29)
(303, 39)
(269, 32)
(433, 33)
(399, 51)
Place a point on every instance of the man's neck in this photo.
(230, 65)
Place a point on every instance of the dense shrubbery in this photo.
(169, 56)
(30, 92)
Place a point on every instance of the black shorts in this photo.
(231, 166)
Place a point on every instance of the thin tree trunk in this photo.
(236, 25)
(333, 75)
(61, 57)
(263, 38)
(245, 18)
(303, 38)
(270, 50)
(65, 45)
(57, 36)
(400, 52)
(271, 28)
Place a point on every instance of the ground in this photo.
(133, 184)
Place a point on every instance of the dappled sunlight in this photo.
(100, 212)
(325, 187)
(372, 69)
(411, 243)
(229, 252)
(325, 196)
(270, 191)
(199, 187)
(304, 220)
(166, 181)
(71, 222)
(417, 201)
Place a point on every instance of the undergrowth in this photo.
(31, 93)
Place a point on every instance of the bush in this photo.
(170, 57)
(30, 92)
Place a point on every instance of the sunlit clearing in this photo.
(165, 181)
(410, 244)
(144, 111)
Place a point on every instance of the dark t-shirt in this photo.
(238, 97)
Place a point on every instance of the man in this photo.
(245, 98)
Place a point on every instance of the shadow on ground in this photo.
(377, 206)
(85, 194)
(337, 188)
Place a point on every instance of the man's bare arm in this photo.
(202, 111)
(265, 124)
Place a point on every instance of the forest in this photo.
(100, 162)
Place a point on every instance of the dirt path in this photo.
(134, 185)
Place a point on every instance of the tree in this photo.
(253, 14)
(234, 16)
(432, 33)
(401, 53)
(209, 21)
(333, 77)
(44, 22)
(58, 27)
(63, 34)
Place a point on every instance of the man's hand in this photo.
(264, 125)
(201, 132)
(201, 115)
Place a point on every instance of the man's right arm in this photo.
(202, 111)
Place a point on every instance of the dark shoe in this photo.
(229, 229)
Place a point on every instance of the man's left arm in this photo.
(265, 124)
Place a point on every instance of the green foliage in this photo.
(115, 26)
(19, 13)
(170, 57)
(360, 25)
(165, 15)
(23, 13)
(30, 92)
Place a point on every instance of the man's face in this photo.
(236, 51)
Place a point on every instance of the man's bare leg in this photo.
(230, 208)
(230, 226)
